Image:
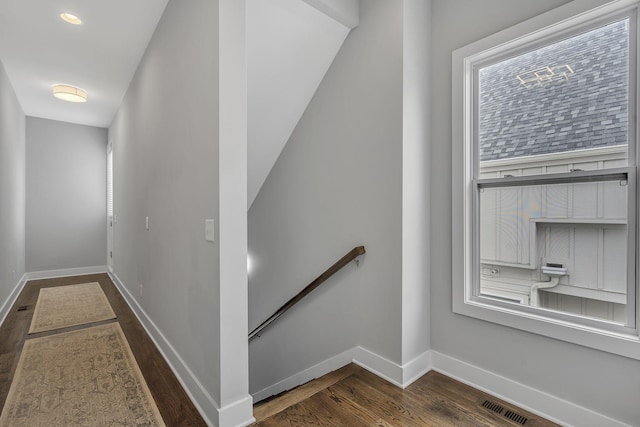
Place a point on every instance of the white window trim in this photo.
(565, 18)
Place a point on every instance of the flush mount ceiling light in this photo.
(69, 93)
(71, 19)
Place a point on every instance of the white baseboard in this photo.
(203, 401)
(535, 401)
(233, 414)
(416, 368)
(13, 296)
(400, 376)
(52, 274)
(316, 371)
(378, 365)
(236, 414)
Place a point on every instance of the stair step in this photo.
(278, 403)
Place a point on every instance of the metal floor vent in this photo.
(23, 308)
(509, 414)
(515, 417)
(493, 406)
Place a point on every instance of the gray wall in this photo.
(66, 195)
(12, 188)
(165, 142)
(600, 381)
(337, 184)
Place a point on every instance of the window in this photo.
(546, 199)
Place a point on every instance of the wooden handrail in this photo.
(353, 254)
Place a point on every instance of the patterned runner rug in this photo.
(64, 306)
(84, 378)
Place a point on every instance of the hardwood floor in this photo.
(348, 397)
(354, 397)
(172, 401)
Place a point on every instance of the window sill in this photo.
(623, 344)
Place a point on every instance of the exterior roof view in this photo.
(557, 98)
(205, 165)
(565, 100)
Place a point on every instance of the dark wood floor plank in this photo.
(296, 415)
(272, 406)
(349, 411)
(329, 416)
(173, 403)
(432, 404)
(391, 410)
(463, 395)
(364, 399)
(434, 409)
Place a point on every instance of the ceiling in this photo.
(290, 46)
(38, 50)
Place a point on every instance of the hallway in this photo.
(151, 179)
(173, 403)
(334, 399)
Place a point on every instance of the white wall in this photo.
(593, 379)
(290, 46)
(337, 184)
(165, 150)
(12, 190)
(168, 145)
(66, 195)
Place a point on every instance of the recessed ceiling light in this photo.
(71, 19)
(70, 93)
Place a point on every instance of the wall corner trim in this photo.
(204, 403)
(235, 413)
(416, 368)
(13, 296)
(535, 401)
(399, 375)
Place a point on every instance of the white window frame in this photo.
(575, 17)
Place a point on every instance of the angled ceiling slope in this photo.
(39, 50)
(290, 46)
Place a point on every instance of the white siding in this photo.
(582, 226)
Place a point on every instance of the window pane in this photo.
(567, 100)
(559, 246)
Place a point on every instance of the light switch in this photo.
(209, 230)
(146, 222)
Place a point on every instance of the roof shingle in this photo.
(561, 111)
